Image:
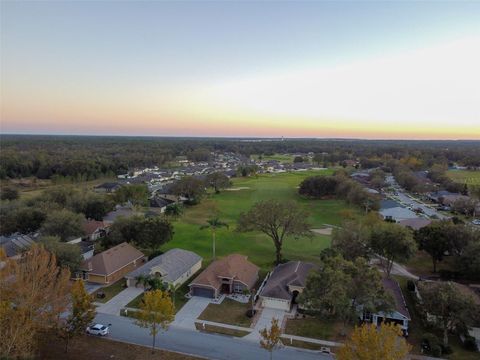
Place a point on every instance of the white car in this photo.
(476, 222)
(98, 329)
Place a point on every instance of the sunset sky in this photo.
(268, 69)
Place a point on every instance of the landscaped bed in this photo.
(109, 291)
(228, 312)
(220, 330)
(317, 329)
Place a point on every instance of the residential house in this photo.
(14, 245)
(438, 195)
(112, 264)
(120, 211)
(231, 274)
(415, 224)
(161, 203)
(284, 284)
(399, 315)
(392, 210)
(173, 267)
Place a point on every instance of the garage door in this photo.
(276, 304)
(198, 291)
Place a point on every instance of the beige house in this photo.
(232, 274)
(174, 268)
(112, 264)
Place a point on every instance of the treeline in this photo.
(58, 211)
(340, 186)
(87, 157)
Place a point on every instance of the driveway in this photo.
(187, 315)
(119, 301)
(265, 321)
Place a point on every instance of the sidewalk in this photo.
(310, 340)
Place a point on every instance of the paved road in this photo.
(206, 345)
(408, 200)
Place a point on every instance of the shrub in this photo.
(410, 285)
(470, 343)
(436, 350)
(447, 350)
(250, 313)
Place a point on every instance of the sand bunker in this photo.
(324, 231)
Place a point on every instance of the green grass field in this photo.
(259, 248)
(283, 158)
(465, 176)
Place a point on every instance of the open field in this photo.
(259, 248)
(94, 348)
(465, 176)
(283, 158)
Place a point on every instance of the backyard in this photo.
(229, 204)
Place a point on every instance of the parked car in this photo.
(476, 222)
(98, 329)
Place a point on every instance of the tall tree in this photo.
(278, 220)
(156, 312)
(436, 240)
(63, 223)
(270, 338)
(67, 255)
(154, 232)
(83, 313)
(369, 343)
(191, 188)
(453, 310)
(213, 224)
(174, 210)
(352, 240)
(392, 243)
(217, 181)
(33, 294)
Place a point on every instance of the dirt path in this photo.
(324, 231)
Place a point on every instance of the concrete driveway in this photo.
(265, 321)
(187, 315)
(119, 301)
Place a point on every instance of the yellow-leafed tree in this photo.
(270, 338)
(33, 293)
(156, 312)
(369, 343)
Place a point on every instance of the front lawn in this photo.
(258, 247)
(421, 264)
(317, 329)
(228, 312)
(109, 291)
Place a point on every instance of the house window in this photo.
(237, 287)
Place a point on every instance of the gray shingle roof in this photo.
(292, 273)
(174, 263)
(16, 243)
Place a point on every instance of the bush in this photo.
(446, 350)
(410, 285)
(250, 313)
(470, 343)
(436, 351)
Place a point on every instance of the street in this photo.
(193, 342)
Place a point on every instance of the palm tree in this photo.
(213, 224)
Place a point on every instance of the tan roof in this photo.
(234, 266)
(112, 260)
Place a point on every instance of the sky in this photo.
(389, 70)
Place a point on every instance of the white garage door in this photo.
(276, 304)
